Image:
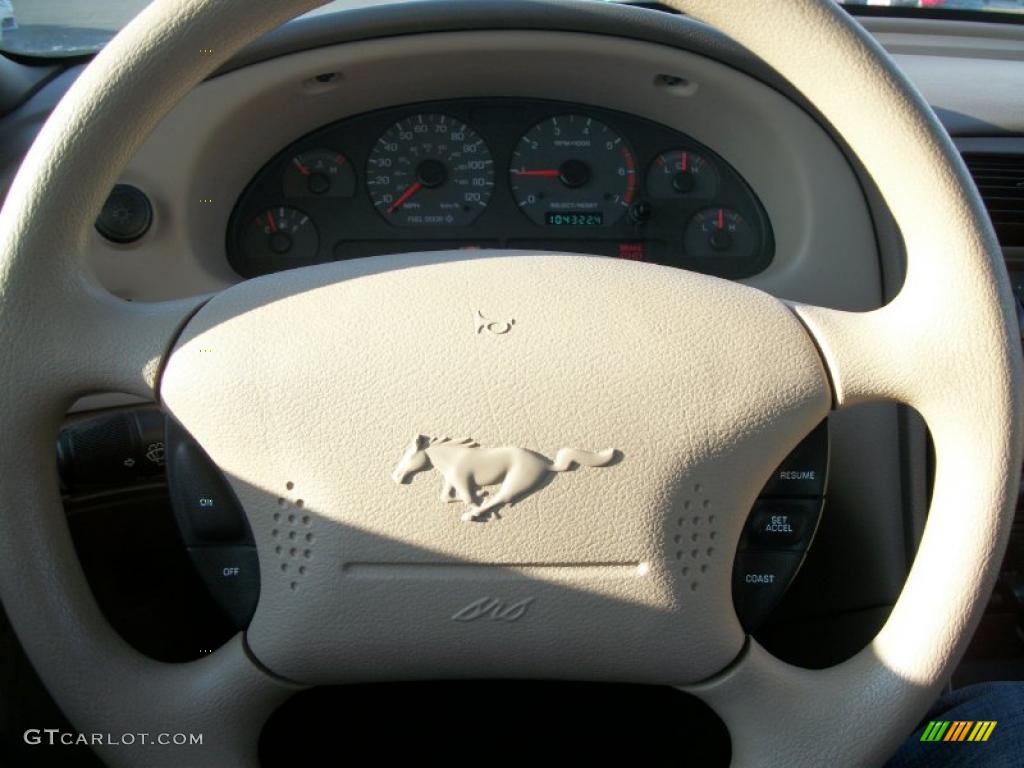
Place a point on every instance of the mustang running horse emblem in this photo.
(466, 467)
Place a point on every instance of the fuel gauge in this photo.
(681, 173)
(319, 173)
(280, 235)
(720, 232)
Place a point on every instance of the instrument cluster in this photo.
(499, 173)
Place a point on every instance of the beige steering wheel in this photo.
(308, 385)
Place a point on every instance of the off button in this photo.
(232, 575)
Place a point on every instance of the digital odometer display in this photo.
(553, 219)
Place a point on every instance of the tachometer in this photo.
(573, 170)
(428, 170)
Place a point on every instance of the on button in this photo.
(206, 508)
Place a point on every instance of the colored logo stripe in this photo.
(958, 730)
(982, 730)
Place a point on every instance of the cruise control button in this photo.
(783, 523)
(760, 579)
(213, 517)
(805, 471)
(232, 574)
(204, 503)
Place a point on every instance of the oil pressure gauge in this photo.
(720, 233)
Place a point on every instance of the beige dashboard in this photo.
(199, 160)
(195, 166)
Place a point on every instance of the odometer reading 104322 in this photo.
(573, 170)
(573, 219)
(430, 170)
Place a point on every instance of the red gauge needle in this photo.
(404, 197)
(303, 169)
(721, 218)
(684, 161)
(270, 222)
(547, 173)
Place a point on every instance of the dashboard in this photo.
(526, 174)
(791, 213)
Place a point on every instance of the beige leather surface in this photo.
(944, 346)
(701, 385)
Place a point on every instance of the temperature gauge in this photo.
(319, 173)
(719, 232)
(681, 173)
(280, 233)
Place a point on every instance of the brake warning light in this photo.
(631, 251)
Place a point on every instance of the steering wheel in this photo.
(304, 387)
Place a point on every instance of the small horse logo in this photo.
(466, 467)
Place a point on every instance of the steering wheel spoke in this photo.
(209, 711)
(773, 710)
(127, 343)
(68, 337)
(917, 350)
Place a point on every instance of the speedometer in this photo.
(573, 170)
(429, 170)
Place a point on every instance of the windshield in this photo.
(80, 27)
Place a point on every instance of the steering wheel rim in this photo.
(955, 300)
